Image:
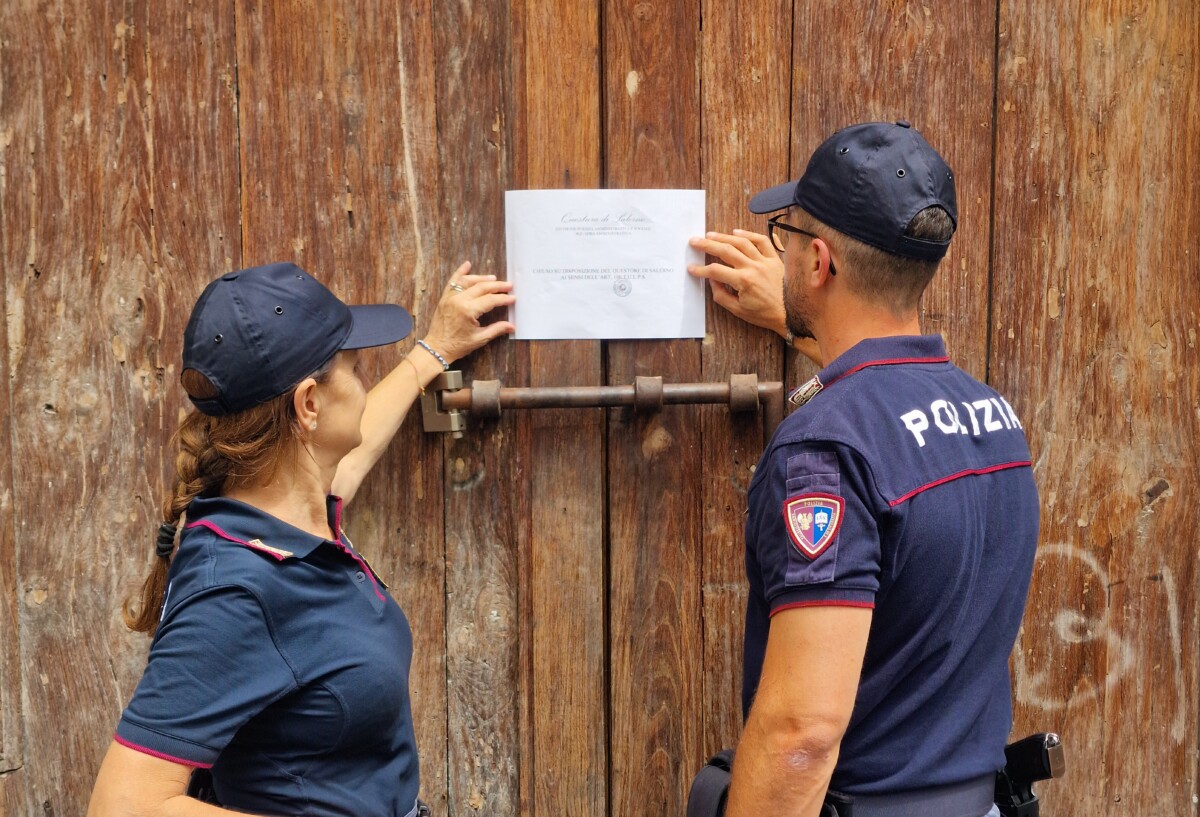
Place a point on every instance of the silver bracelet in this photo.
(432, 351)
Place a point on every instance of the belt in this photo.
(974, 798)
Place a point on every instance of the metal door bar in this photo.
(445, 399)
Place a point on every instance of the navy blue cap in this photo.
(257, 332)
(868, 181)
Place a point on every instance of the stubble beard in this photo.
(796, 314)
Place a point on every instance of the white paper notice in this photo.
(605, 263)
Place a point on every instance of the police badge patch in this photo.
(812, 521)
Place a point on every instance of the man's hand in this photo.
(749, 282)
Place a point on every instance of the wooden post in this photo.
(652, 130)
(557, 145)
(486, 503)
(744, 142)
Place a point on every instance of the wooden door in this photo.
(574, 577)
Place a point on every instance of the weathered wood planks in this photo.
(339, 169)
(17, 179)
(359, 114)
(931, 64)
(574, 579)
(744, 148)
(89, 298)
(652, 139)
(557, 145)
(486, 501)
(1096, 302)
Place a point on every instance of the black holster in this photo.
(1037, 757)
(711, 786)
(200, 786)
(837, 805)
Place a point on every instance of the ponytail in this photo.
(192, 479)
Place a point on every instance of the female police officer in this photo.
(279, 660)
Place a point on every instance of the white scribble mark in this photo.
(1071, 626)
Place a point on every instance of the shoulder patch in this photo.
(812, 520)
(806, 392)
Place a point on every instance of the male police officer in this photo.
(892, 519)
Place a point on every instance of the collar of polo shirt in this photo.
(256, 529)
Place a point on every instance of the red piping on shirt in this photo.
(868, 605)
(337, 522)
(968, 473)
(337, 515)
(161, 755)
(365, 568)
(889, 362)
(204, 523)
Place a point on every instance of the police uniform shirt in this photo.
(902, 485)
(282, 663)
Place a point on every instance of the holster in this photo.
(200, 786)
(1037, 757)
(837, 805)
(711, 786)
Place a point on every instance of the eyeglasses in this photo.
(779, 231)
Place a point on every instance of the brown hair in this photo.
(215, 454)
(888, 280)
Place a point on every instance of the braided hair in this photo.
(215, 455)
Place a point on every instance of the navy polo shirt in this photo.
(902, 485)
(282, 663)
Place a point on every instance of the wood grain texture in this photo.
(932, 64)
(338, 129)
(557, 145)
(84, 306)
(16, 178)
(12, 738)
(144, 148)
(1096, 304)
(744, 147)
(651, 137)
(487, 531)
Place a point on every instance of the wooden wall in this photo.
(574, 578)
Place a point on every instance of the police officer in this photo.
(279, 659)
(893, 517)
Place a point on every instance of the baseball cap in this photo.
(257, 332)
(868, 181)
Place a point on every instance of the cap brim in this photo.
(779, 197)
(377, 325)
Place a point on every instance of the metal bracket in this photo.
(445, 399)
(432, 414)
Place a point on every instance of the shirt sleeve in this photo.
(814, 528)
(213, 666)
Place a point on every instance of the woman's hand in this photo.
(455, 330)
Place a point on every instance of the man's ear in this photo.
(306, 402)
(823, 263)
(814, 267)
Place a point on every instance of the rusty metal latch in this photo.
(445, 400)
